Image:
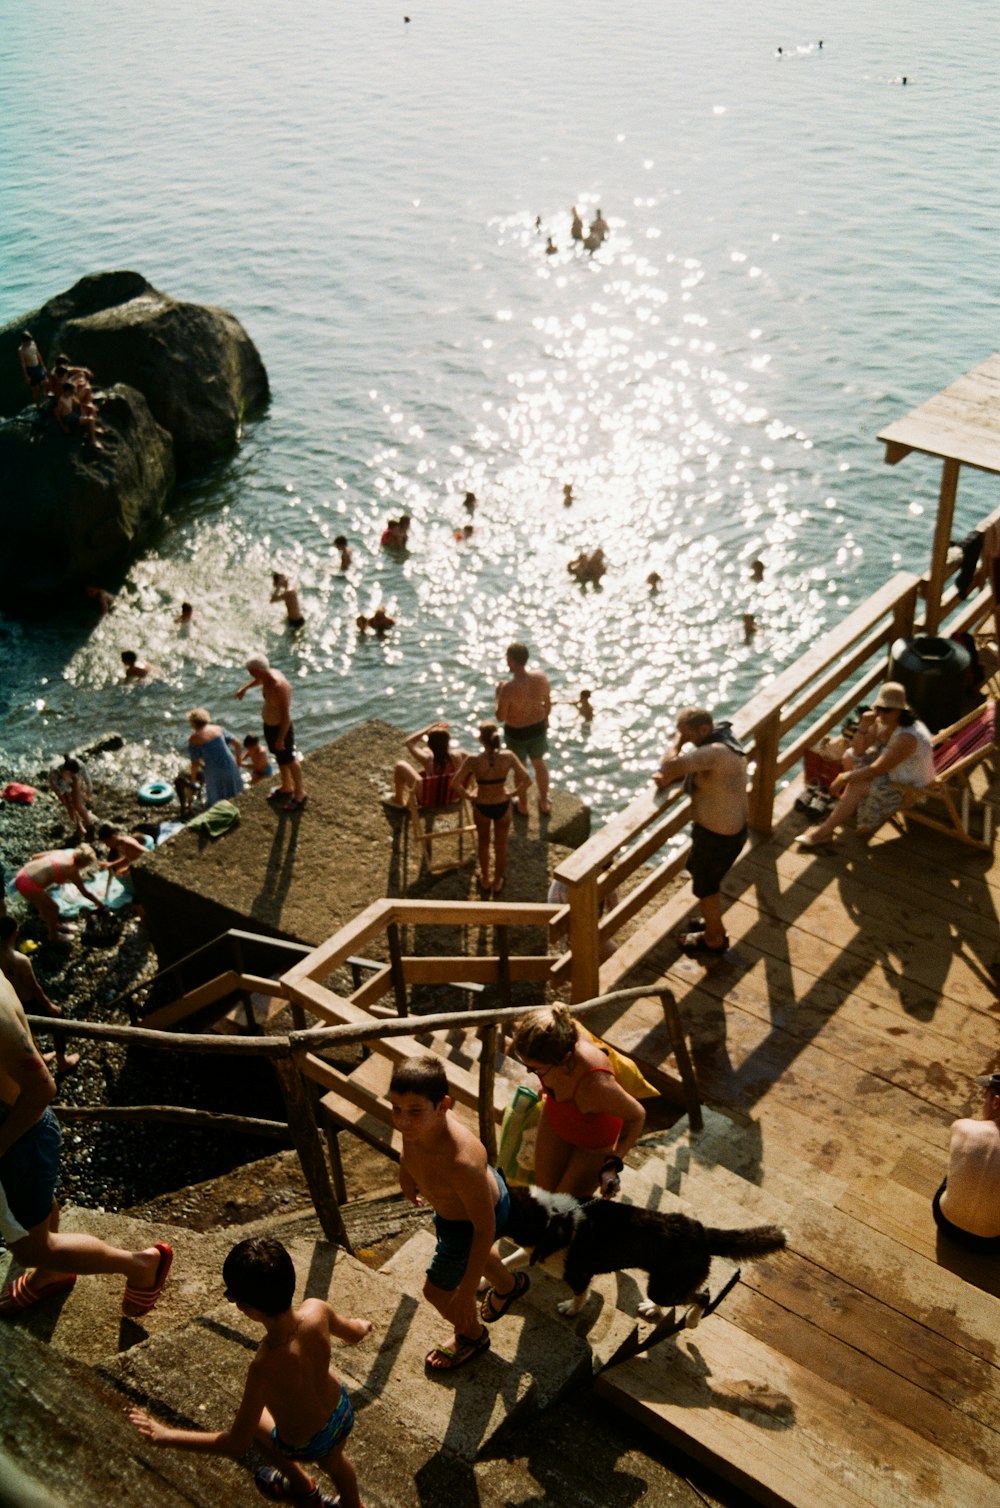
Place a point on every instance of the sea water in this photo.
(802, 248)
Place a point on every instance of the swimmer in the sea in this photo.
(567, 494)
(287, 591)
(757, 571)
(340, 543)
(470, 502)
(653, 581)
(550, 248)
(585, 706)
(135, 669)
(185, 615)
(576, 229)
(379, 622)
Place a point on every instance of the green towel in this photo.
(217, 820)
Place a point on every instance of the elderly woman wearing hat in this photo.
(871, 787)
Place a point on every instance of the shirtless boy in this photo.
(21, 974)
(279, 731)
(294, 1408)
(523, 705)
(29, 1171)
(444, 1165)
(967, 1205)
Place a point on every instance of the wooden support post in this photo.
(309, 1146)
(761, 813)
(692, 1100)
(585, 966)
(396, 968)
(942, 539)
(489, 1037)
(336, 1163)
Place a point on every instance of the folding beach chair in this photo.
(957, 752)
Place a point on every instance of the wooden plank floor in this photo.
(834, 1046)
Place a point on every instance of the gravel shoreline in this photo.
(105, 1164)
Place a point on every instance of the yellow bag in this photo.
(516, 1154)
(626, 1070)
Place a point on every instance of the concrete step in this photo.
(64, 1427)
(534, 1356)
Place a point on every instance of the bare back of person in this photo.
(972, 1198)
(525, 699)
(300, 1390)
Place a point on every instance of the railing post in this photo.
(585, 966)
(765, 773)
(489, 1037)
(942, 539)
(396, 968)
(309, 1146)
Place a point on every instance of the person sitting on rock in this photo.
(72, 420)
(32, 368)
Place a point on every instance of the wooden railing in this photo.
(777, 726)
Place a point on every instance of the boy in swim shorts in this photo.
(444, 1165)
(294, 1408)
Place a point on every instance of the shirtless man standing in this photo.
(523, 706)
(32, 368)
(287, 591)
(279, 732)
(967, 1205)
(715, 776)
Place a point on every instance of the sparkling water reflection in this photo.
(710, 381)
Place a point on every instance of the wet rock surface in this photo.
(70, 513)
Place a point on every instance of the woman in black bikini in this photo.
(491, 801)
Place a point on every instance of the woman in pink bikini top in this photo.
(589, 1122)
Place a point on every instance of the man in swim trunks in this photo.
(32, 368)
(523, 705)
(715, 777)
(29, 1171)
(283, 589)
(967, 1205)
(279, 731)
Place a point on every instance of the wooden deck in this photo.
(835, 1045)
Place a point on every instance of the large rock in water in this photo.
(196, 366)
(69, 514)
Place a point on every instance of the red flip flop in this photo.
(20, 1294)
(142, 1300)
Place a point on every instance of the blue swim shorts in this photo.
(530, 742)
(334, 1432)
(451, 1255)
(29, 1171)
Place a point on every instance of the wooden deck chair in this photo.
(957, 752)
(436, 824)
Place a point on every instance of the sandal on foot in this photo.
(272, 1483)
(278, 794)
(694, 944)
(495, 1305)
(498, 883)
(450, 1358)
(21, 1294)
(139, 1301)
(294, 804)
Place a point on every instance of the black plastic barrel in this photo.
(934, 672)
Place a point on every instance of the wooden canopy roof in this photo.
(961, 423)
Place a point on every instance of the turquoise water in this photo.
(802, 249)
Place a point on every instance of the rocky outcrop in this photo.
(69, 514)
(196, 366)
(185, 377)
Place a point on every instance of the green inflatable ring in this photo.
(156, 793)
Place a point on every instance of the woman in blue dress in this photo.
(209, 748)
